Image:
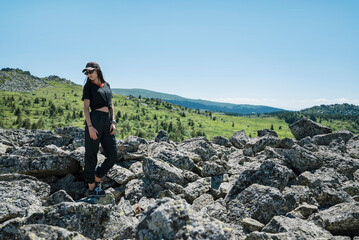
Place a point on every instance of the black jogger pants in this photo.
(101, 122)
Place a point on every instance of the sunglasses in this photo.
(88, 72)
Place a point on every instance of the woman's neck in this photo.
(97, 80)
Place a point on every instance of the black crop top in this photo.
(99, 96)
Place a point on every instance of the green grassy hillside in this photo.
(60, 105)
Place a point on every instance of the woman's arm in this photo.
(92, 131)
(112, 127)
(86, 111)
(112, 111)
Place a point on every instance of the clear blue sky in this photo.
(280, 53)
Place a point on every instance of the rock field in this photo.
(236, 188)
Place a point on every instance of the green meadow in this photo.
(60, 105)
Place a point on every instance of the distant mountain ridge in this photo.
(344, 109)
(235, 109)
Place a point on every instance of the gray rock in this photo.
(42, 231)
(75, 188)
(321, 177)
(58, 197)
(19, 194)
(325, 184)
(171, 154)
(220, 186)
(353, 147)
(136, 189)
(162, 136)
(212, 169)
(174, 187)
(162, 171)
(39, 166)
(269, 173)
(78, 217)
(258, 202)
(130, 145)
(262, 142)
(297, 194)
(120, 175)
(297, 228)
(175, 219)
(326, 139)
(137, 169)
(299, 159)
(202, 201)
(74, 133)
(351, 187)
(342, 164)
(190, 176)
(272, 236)
(286, 143)
(303, 211)
(251, 225)
(198, 149)
(356, 175)
(197, 188)
(306, 127)
(217, 210)
(341, 219)
(240, 139)
(222, 141)
(266, 132)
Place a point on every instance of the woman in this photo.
(100, 127)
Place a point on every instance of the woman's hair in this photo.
(100, 76)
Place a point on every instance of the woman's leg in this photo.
(91, 151)
(108, 143)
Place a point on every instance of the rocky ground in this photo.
(237, 188)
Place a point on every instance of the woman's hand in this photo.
(112, 128)
(93, 133)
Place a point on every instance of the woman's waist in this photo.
(103, 109)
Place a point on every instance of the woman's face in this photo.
(92, 76)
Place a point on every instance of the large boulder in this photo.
(197, 188)
(171, 154)
(198, 149)
(326, 139)
(120, 174)
(306, 127)
(258, 202)
(341, 219)
(42, 231)
(162, 171)
(137, 189)
(162, 136)
(19, 193)
(37, 163)
(353, 147)
(325, 184)
(91, 220)
(58, 197)
(269, 173)
(175, 219)
(296, 228)
(222, 141)
(299, 159)
(33, 138)
(240, 139)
